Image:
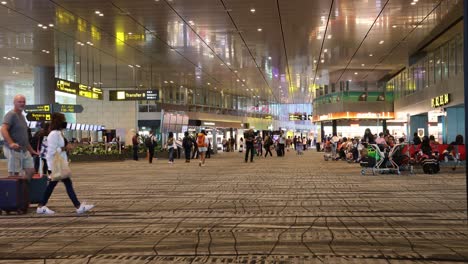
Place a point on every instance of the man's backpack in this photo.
(201, 141)
(149, 141)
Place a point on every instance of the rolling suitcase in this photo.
(14, 195)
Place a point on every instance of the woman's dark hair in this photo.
(459, 140)
(426, 146)
(57, 121)
(171, 135)
(431, 138)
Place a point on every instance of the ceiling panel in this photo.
(276, 50)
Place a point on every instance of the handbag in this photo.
(60, 168)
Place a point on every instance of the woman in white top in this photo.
(57, 143)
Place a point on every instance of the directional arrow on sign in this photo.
(68, 108)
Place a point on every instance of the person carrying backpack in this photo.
(150, 143)
(187, 145)
(202, 143)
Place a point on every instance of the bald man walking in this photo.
(17, 148)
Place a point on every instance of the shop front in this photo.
(354, 124)
(217, 131)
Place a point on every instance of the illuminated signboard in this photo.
(67, 108)
(90, 92)
(38, 117)
(66, 86)
(354, 115)
(133, 95)
(44, 108)
(78, 89)
(440, 100)
(299, 117)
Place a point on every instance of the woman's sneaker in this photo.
(84, 208)
(44, 210)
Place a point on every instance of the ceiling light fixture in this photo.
(370, 55)
(381, 42)
(355, 73)
(329, 36)
(394, 26)
(101, 15)
(4, 2)
(40, 25)
(51, 25)
(97, 12)
(44, 27)
(166, 82)
(252, 10)
(138, 66)
(131, 66)
(171, 81)
(259, 29)
(325, 50)
(363, 65)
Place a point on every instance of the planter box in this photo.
(89, 158)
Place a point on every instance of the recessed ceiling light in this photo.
(370, 55)
(131, 66)
(138, 66)
(322, 61)
(269, 58)
(208, 83)
(325, 50)
(394, 26)
(51, 25)
(101, 15)
(355, 73)
(166, 82)
(329, 36)
(350, 80)
(78, 62)
(4, 2)
(198, 77)
(238, 80)
(381, 42)
(319, 37)
(44, 27)
(171, 81)
(130, 33)
(40, 25)
(252, 10)
(259, 29)
(413, 3)
(363, 65)
(97, 12)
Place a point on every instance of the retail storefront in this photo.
(354, 124)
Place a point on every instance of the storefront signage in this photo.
(43, 108)
(440, 100)
(354, 115)
(78, 89)
(38, 117)
(133, 95)
(209, 123)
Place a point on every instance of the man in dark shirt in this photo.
(17, 146)
(249, 144)
(135, 146)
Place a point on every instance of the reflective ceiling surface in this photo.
(275, 50)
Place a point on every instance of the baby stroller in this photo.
(400, 157)
(328, 155)
(377, 160)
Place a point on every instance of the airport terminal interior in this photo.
(334, 131)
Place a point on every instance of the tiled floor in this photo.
(297, 209)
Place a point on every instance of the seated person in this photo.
(449, 154)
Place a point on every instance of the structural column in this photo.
(465, 69)
(44, 84)
(334, 128)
